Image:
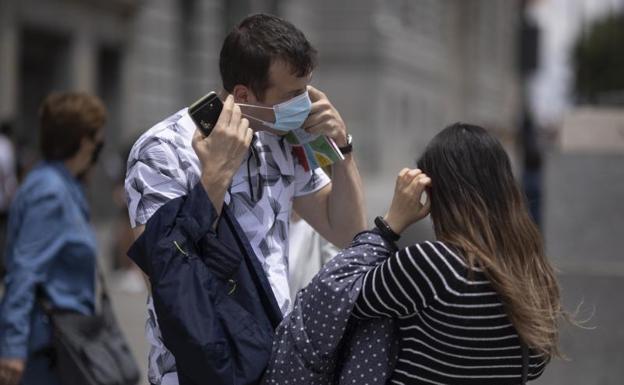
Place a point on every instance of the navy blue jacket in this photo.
(214, 304)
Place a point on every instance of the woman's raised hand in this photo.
(406, 207)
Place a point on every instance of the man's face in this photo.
(283, 86)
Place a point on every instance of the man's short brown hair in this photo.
(65, 119)
(253, 45)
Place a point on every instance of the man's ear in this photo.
(242, 94)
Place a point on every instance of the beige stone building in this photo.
(398, 70)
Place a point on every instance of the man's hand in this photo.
(325, 119)
(11, 370)
(221, 153)
(406, 207)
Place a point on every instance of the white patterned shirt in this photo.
(162, 166)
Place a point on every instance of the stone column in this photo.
(9, 57)
(83, 61)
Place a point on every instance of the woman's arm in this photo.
(399, 286)
(37, 241)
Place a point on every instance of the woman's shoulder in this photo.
(447, 268)
(439, 252)
(42, 181)
(438, 248)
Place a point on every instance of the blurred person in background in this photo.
(8, 182)
(51, 245)
(478, 305)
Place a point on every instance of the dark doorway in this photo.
(43, 68)
(109, 173)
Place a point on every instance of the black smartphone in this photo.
(205, 112)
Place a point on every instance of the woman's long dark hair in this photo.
(477, 206)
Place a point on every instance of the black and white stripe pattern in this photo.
(452, 325)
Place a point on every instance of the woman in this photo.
(462, 307)
(51, 246)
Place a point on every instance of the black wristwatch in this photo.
(385, 230)
(349, 147)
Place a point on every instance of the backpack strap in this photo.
(525, 363)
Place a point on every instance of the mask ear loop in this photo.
(253, 106)
(264, 123)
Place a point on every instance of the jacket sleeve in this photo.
(35, 244)
(307, 341)
(181, 221)
(182, 288)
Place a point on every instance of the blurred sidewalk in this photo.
(130, 305)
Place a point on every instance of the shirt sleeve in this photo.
(397, 287)
(38, 239)
(307, 182)
(154, 176)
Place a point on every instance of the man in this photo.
(265, 62)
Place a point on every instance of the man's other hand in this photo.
(324, 118)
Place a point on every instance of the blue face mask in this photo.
(289, 115)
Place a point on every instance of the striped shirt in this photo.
(452, 325)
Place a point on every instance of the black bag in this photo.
(90, 350)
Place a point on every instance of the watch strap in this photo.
(349, 147)
(385, 230)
